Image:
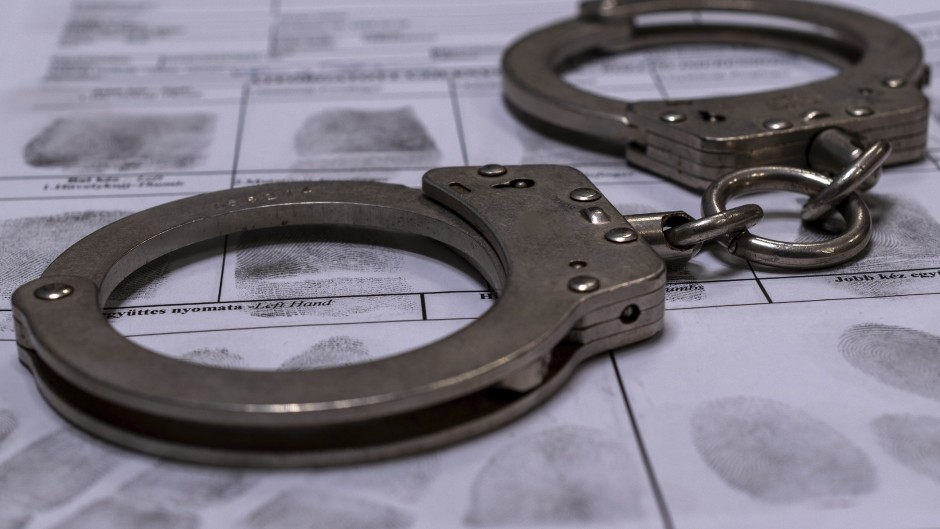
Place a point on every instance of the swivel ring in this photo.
(789, 254)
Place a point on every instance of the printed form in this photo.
(772, 400)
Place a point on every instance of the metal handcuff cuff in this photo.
(574, 277)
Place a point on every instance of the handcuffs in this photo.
(574, 277)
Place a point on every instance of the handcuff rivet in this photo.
(583, 284)
(859, 111)
(672, 117)
(894, 82)
(621, 235)
(585, 194)
(777, 124)
(491, 170)
(54, 291)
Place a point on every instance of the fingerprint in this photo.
(364, 138)
(215, 357)
(7, 423)
(30, 244)
(294, 263)
(50, 472)
(903, 358)
(327, 508)
(117, 514)
(122, 142)
(331, 352)
(778, 454)
(404, 480)
(566, 475)
(913, 440)
(905, 236)
(178, 485)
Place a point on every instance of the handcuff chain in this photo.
(729, 227)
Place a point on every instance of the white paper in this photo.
(771, 400)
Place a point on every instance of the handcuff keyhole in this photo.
(710, 117)
(519, 183)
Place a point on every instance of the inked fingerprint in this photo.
(778, 454)
(215, 357)
(122, 142)
(125, 23)
(903, 358)
(179, 485)
(302, 262)
(904, 236)
(566, 475)
(117, 514)
(7, 423)
(331, 352)
(52, 471)
(403, 480)
(302, 33)
(30, 244)
(913, 440)
(349, 137)
(327, 508)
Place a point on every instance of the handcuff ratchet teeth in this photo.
(574, 278)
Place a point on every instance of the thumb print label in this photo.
(903, 358)
(778, 454)
(912, 440)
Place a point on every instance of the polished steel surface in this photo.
(780, 254)
(510, 359)
(876, 96)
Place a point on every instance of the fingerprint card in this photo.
(829, 424)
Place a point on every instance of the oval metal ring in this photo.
(789, 254)
(514, 356)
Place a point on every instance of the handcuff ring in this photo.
(802, 255)
(877, 94)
